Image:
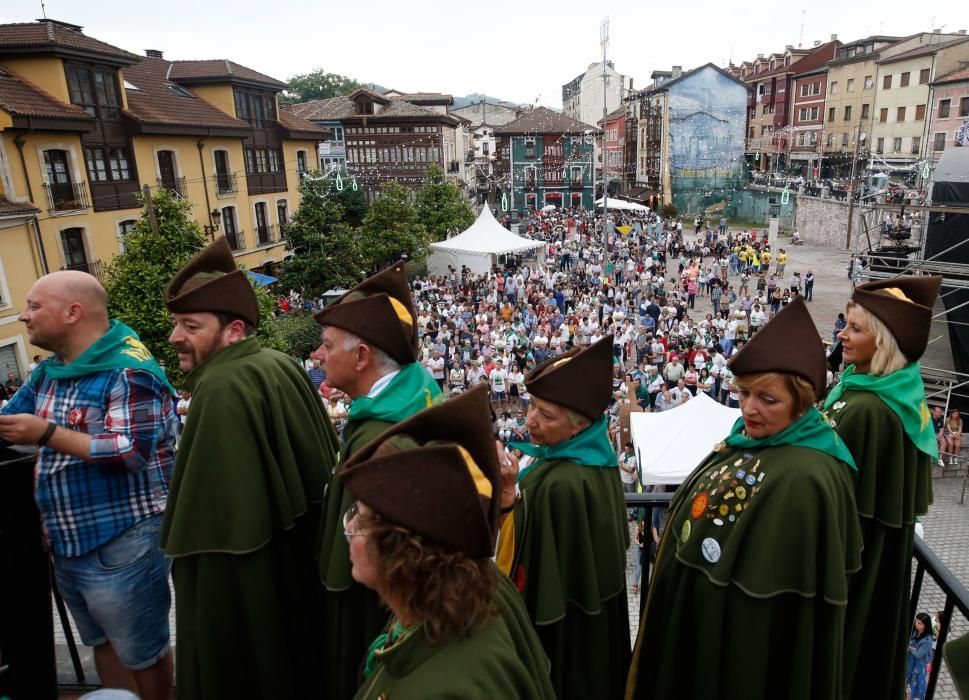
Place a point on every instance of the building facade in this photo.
(582, 97)
(809, 87)
(618, 173)
(85, 126)
(949, 126)
(545, 158)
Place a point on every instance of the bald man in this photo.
(100, 410)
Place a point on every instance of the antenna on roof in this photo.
(43, 10)
(800, 40)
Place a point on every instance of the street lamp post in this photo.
(851, 185)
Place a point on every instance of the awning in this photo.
(260, 279)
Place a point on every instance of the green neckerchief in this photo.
(412, 390)
(119, 348)
(590, 448)
(387, 639)
(810, 430)
(904, 393)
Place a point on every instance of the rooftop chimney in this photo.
(154, 53)
(789, 47)
(817, 43)
(760, 56)
(677, 72)
(962, 32)
(834, 37)
(936, 31)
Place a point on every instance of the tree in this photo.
(441, 205)
(353, 201)
(326, 250)
(669, 211)
(393, 229)
(319, 85)
(300, 333)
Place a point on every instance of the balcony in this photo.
(109, 196)
(65, 197)
(266, 235)
(177, 186)
(261, 183)
(454, 167)
(236, 240)
(93, 268)
(226, 185)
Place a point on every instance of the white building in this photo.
(582, 97)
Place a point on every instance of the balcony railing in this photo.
(236, 240)
(65, 197)
(177, 186)
(226, 185)
(266, 234)
(92, 267)
(453, 166)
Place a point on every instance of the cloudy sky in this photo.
(516, 50)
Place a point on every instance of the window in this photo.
(95, 89)
(916, 144)
(865, 111)
(869, 82)
(529, 146)
(262, 224)
(232, 234)
(282, 215)
(887, 82)
(75, 257)
(923, 76)
(944, 106)
(807, 114)
(964, 107)
(844, 140)
(883, 115)
(900, 114)
(257, 108)
(897, 144)
(301, 161)
(938, 142)
(831, 114)
(180, 91)
(107, 163)
(811, 89)
(904, 79)
(851, 85)
(830, 141)
(880, 145)
(919, 112)
(847, 112)
(337, 132)
(263, 160)
(834, 87)
(124, 228)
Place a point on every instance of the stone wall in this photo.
(753, 204)
(825, 222)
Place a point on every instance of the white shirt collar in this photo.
(382, 383)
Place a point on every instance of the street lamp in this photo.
(215, 216)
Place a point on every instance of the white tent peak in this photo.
(486, 236)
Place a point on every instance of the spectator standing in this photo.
(809, 286)
(316, 374)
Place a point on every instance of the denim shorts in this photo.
(119, 593)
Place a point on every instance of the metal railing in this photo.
(177, 187)
(265, 234)
(226, 185)
(92, 267)
(65, 197)
(236, 240)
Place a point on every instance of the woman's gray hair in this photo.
(384, 363)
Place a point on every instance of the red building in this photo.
(809, 86)
(612, 147)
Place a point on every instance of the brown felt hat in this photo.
(789, 343)
(580, 379)
(904, 304)
(211, 282)
(435, 474)
(379, 310)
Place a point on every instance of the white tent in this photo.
(672, 443)
(622, 204)
(478, 246)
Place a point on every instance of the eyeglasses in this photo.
(349, 521)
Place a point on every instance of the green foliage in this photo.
(441, 205)
(392, 228)
(267, 332)
(353, 201)
(300, 333)
(135, 280)
(669, 210)
(318, 85)
(326, 251)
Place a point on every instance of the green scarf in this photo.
(119, 348)
(387, 639)
(590, 448)
(904, 393)
(810, 430)
(411, 391)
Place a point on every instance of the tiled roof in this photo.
(425, 98)
(621, 112)
(155, 103)
(293, 122)
(51, 34)
(337, 108)
(816, 59)
(956, 76)
(20, 97)
(190, 71)
(923, 50)
(8, 208)
(402, 108)
(542, 120)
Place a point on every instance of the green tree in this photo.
(669, 210)
(318, 85)
(326, 250)
(299, 332)
(353, 201)
(441, 205)
(392, 228)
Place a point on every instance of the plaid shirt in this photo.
(130, 417)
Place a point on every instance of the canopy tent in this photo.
(672, 443)
(478, 247)
(549, 207)
(622, 204)
(260, 279)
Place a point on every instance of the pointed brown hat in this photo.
(212, 282)
(379, 310)
(788, 343)
(435, 474)
(580, 379)
(904, 304)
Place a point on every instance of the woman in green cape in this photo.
(879, 410)
(748, 596)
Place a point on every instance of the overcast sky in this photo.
(512, 49)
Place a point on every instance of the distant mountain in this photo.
(460, 102)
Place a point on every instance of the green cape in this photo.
(119, 348)
(956, 655)
(810, 430)
(903, 392)
(590, 448)
(410, 391)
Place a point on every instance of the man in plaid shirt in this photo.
(101, 411)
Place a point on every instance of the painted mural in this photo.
(707, 116)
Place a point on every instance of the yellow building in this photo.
(84, 126)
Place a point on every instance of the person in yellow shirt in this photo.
(781, 263)
(765, 259)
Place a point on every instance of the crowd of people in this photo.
(432, 505)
